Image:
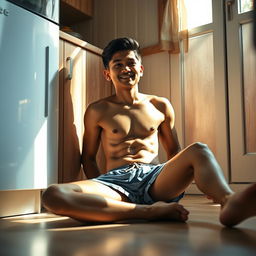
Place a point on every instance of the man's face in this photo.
(124, 69)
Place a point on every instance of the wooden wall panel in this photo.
(121, 18)
(147, 22)
(199, 92)
(156, 81)
(249, 75)
(127, 17)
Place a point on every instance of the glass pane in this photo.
(245, 5)
(199, 12)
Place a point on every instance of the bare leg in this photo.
(195, 162)
(239, 207)
(92, 201)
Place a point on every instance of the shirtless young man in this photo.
(135, 186)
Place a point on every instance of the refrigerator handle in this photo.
(47, 67)
(70, 73)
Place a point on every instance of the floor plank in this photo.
(48, 234)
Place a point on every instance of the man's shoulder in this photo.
(161, 103)
(158, 100)
(99, 105)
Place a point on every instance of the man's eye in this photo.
(118, 65)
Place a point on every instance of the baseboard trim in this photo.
(193, 190)
(18, 202)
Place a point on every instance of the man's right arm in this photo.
(91, 141)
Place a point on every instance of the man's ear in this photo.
(106, 74)
(141, 70)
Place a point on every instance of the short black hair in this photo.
(120, 44)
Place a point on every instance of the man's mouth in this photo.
(127, 76)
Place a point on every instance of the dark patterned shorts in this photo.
(134, 181)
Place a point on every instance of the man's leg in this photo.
(197, 162)
(239, 207)
(92, 201)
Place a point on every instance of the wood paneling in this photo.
(75, 11)
(199, 92)
(97, 88)
(123, 18)
(87, 85)
(249, 75)
(156, 81)
(74, 103)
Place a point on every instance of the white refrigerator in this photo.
(29, 40)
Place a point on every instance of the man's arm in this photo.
(167, 132)
(91, 141)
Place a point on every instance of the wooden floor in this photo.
(46, 234)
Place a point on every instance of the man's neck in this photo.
(128, 97)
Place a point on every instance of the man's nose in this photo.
(126, 69)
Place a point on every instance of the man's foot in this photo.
(239, 207)
(168, 211)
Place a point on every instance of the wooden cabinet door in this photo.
(81, 83)
(96, 88)
(73, 91)
(84, 6)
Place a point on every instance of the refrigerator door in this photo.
(46, 8)
(28, 99)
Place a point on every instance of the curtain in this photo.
(174, 27)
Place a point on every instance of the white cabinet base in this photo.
(18, 202)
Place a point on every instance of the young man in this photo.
(136, 186)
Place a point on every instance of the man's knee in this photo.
(53, 198)
(200, 150)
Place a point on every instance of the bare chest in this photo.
(137, 121)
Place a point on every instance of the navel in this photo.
(152, 129)
(115, 131)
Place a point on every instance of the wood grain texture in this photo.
(249, 75)
(97, 88)
(74, 103)
(199, 92)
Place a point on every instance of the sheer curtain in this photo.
(174, 27)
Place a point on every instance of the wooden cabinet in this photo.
(81, 82)
(74, 11)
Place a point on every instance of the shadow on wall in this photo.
(70, 168)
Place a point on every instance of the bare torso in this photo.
(130, 133)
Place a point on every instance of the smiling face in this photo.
(125, 69)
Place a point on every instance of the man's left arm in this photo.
(167, 132)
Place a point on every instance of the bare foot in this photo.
(239, 207)
(168, 211)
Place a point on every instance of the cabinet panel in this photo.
(84, 6)
(97, 87)
(75, 11)
(86, 85)
(71, 130)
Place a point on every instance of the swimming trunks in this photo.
(134, 181)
